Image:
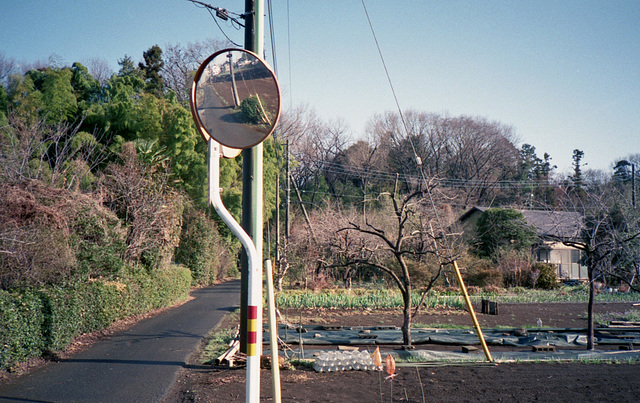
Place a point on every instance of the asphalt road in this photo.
(221, 122)
(136, 365)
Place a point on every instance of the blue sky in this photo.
(565, 74)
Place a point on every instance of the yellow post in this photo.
(476, 325)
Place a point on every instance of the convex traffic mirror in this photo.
(235, 99)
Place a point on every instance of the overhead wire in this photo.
(221, 30)
(272, 36)
(418, 161)
(376, 174)
(386, 70)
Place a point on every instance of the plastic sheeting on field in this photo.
(390, 335)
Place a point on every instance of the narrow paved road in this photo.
(136, 365)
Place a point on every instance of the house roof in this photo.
(548, 224)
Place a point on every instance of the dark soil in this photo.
(442, 382)
(504, 382)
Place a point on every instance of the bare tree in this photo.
(8, 66)
(470, 154)
(99, 69)
(55, 153)
(313, 143)
(404, 240)
(304, 255)
(181, 63)
(359, 165)
(140, 195)
(608, 239)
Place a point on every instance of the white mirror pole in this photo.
(254, 308)
(273, 334)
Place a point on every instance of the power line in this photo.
(404, 124)
(272, 36)
(289, 49)
(375, 174)
(384, 64)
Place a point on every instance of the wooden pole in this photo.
(476, 325)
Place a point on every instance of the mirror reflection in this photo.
(235, 99)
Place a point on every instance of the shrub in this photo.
(99, 239)
(515, 267)
(35, 231)
(201, 248)
(482, 273)
(252, 110)
(55, 236)
(547, 277)
(474, 290)
(63, 312)
(138, 192)
(492, 289)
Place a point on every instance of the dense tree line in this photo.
(125, 140)
(102, 190)
(475, 160)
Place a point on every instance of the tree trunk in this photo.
(592, 293)
(406, 324)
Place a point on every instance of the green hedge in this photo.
(48, 319)
(21, 327)
(203, 250)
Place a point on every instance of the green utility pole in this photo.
(252, 168)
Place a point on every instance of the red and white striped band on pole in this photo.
(252, 330)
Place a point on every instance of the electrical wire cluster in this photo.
(223, 14)
(234, 20)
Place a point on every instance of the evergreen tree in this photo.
(151, 68)
(577, 168)
(500, 230)
(86, 88)
(127, 67)
(529, 162)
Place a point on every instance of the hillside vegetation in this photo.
(102, 212)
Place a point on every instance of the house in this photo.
(552, 228)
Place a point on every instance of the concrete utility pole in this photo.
(252, 165)
(288, 196)
(217, 132)
(252, 206)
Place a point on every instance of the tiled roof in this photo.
(559, 224)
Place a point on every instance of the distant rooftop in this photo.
(554, 224)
